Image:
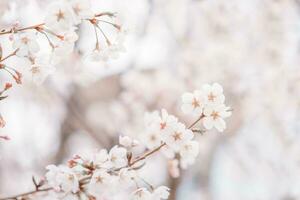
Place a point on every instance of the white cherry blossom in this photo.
(81, 10)
(162, 192)
(62, 178)
(151, 137)
(214, 117)
(168, 152)
(101, 157)
(26, 43)
(128, 142)
(178, 136)
(99, 55)
(40, 69)
(65, 45)
(99, 182)
(193, 103)
(118, 156)
(188, 153)
(141, 194)
(213, 93)
(127, 176)
(59, 17)
(163, 121)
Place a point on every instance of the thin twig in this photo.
(82, 181)
(38, 26)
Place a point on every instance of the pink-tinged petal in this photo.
(225, 114)
(17, 43)
(33, 46)
(206, 88)
(220, 124)
(208, 122)
(187, 97)
(217, 88)
(198, 93)
(198, 111)
(208, 110)
(180, 126)
(188, 135)
(164, 114)
(220, 99)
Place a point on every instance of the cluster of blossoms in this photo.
(209, 103)
(59, 30)
(102, 173)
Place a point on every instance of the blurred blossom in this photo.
(92, 95)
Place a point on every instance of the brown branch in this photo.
(136, 160)
(39, 26)
(27, 193)
(10, 55)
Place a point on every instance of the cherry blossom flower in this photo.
(213, 93)
(127, 176)
(214, 117)
(168, 152)
(40, 69)
(99, 55)
(179, 136)
(65, 46)
(60, 17)
(128, 142)
(117, 47)
(118, 156)
(193, 103)
(111, 51)
(162, 192)
(81, 10)
(188, 153)
(151, 137)
(101, 157)
(141, 194)
(62, 178)
(25, 43)
(99, 181)
(163, 122)
(98, 158)
(98, 174)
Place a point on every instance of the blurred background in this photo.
(251, 47)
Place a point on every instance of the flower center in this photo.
(177, 136)
(77, 9)
(99, 179)
(195, 103)
(215, 115)
(153, 138)
(60, 15)
(211, 97)
(163, 125)
(35, 70)
(25, 40)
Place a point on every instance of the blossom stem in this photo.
(83, 180)
(38, 26)
(10, 55)
(161, 146)
(27, 193)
